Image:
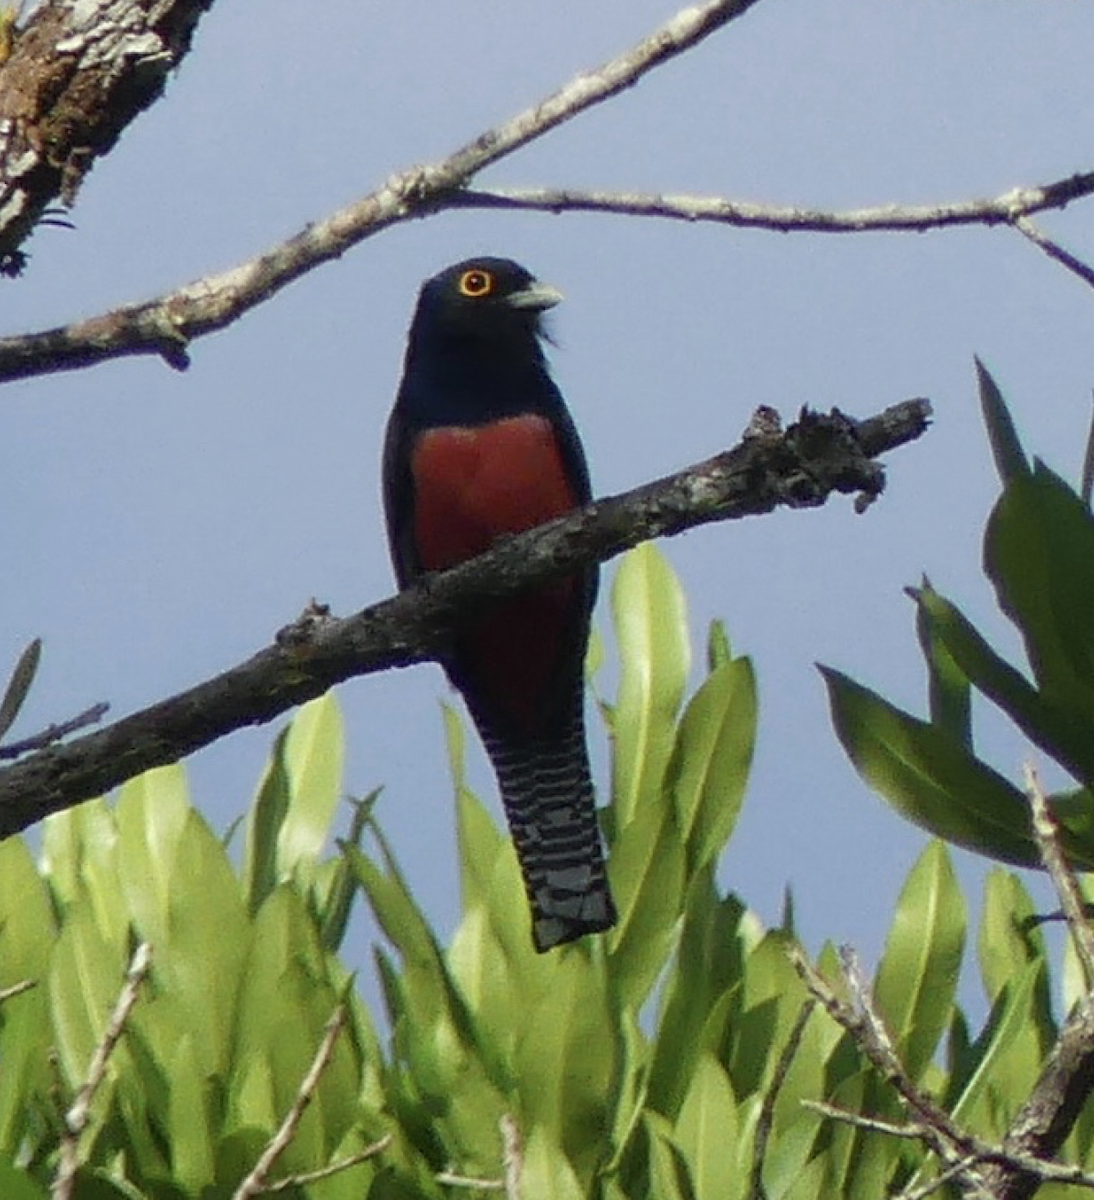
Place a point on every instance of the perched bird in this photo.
(480, 445)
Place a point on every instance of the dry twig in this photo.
(77, 1117)
(255, 1183)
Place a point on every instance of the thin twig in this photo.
(767, 1110)
(912, 1131)
(54, 733)
(255, 1182)
(450, 1179)
(953, 1172)
(1054, 250)
(168, 323)
(866, 1028)
(512, 1156)
(77, 1117)
(334, 1168)
(1063, 879)
(17, 989)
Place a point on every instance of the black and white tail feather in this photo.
(549, 803)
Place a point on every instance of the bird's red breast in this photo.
(472, 486)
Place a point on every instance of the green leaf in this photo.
(647, 873)
(917, 977)
(1009, 939)
(948, 685)
(313, 754)
(1006, 448)
(1008, 1055)
(928, 777)
(192, 1158)
(706, 1128)
(85, 977)
(1086, 487)
(151, 817)
(16, 1184)
(650, 615)
(546, 1170)
(1060, 731)
(203, 952)
(334, 900)
(1039, 553)
(263, 827)
(19, 684)
(566, 1050)
(719, 651)
(708, 773)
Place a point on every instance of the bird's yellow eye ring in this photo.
(476, 283)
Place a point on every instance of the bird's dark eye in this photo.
(476, 283)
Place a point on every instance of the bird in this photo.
(479, 446)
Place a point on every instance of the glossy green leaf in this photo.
(708, 772)
(647, 872)
(566, 1052)
(1039, 553)
(706, 1129)
(546, 1171)
(19, 684)
(1086, 487)
(719, 650)
(192, 1153)
(263, 827)
(314, 752)
(667, 1172)
(85, 976)
(917, 978)
(151, 817)
(478, 838)
(27, 926)
(335, 885)
(204, 970)
(928, 777)
(948, 689)
(1064, 733)
(16, 1184)
(1009, 939)
(707, 973)
(1006, 447)
(650, 615)
(1007, 1053)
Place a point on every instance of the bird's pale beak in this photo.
(536, 296)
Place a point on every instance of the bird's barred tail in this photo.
(548, 799)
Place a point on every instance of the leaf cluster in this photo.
(670, 1058)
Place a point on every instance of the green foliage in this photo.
(1039, 555)
(644, 1063)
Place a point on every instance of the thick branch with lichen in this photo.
(801, 467)
(75, 76)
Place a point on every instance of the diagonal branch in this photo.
(814, 458)
(166, 325)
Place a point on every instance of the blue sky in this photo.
(162, 526)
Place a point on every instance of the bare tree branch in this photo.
(814, 458)
(1006, 209)
(166, 325)
(78, 73)
(55, 732)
